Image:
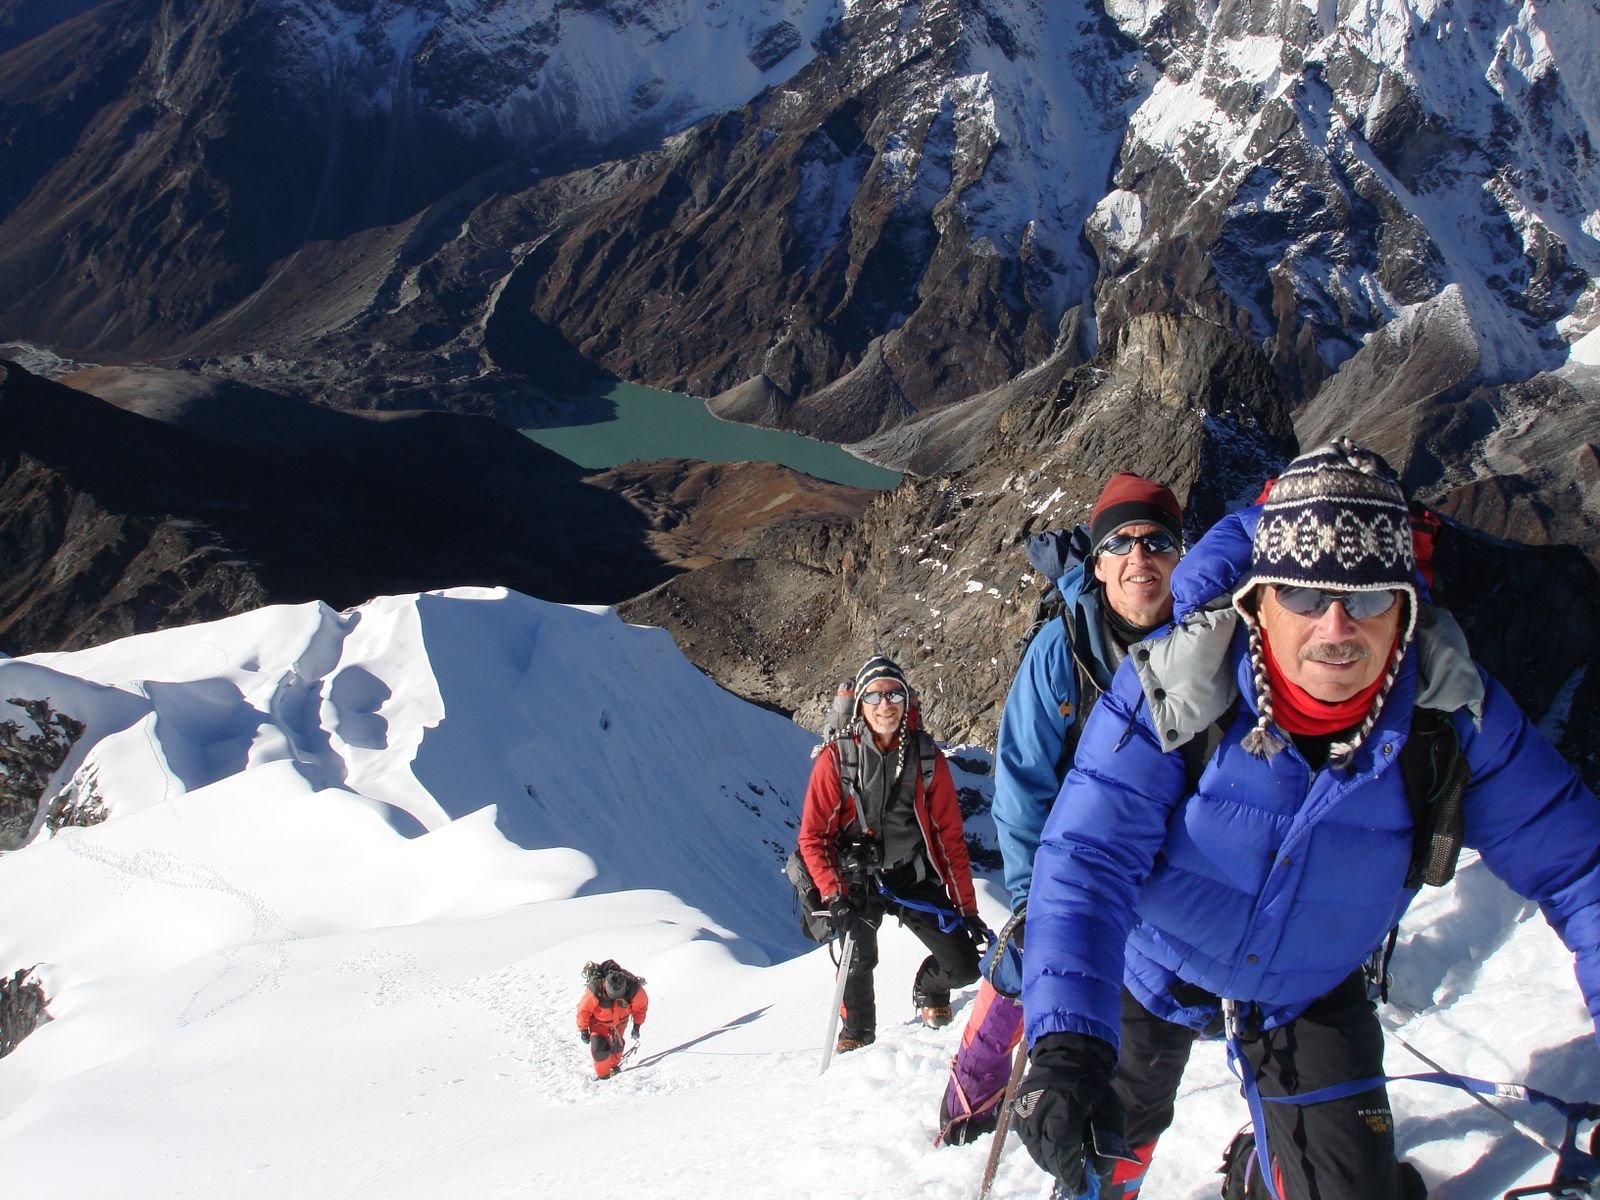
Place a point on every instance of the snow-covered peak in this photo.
(1366, 157)
(427, 709)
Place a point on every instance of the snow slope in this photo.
(547, 70)
(328, 943)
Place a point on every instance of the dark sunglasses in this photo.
(873, 699)
(1122, 543)
(1313, 602)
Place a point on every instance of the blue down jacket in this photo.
(1040, 708)
(1272, 882)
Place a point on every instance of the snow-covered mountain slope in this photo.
(430, 708)
(1300, 172)
(1342, 162)
(552, 72)
(327, 941)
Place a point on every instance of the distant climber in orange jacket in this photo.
(611, 996)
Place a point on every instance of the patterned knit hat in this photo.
(1129, 499)
(878, 667)
(1337, 519)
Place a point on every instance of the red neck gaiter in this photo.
(1302, 714)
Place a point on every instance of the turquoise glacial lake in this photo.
(629, 422)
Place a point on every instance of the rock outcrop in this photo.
(934, 573)
(22, 1008)
(34, 742)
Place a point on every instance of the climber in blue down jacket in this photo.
(1257, 891)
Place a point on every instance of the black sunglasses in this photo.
(1122, 543)
(873, 699)
(1313, 602)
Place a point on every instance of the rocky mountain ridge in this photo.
(1011, 246)
(935, 572)
(869, 220)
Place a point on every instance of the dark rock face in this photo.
(33, 745)
(21, 20)
(1351, 152)
(934, 203)
(774, 44)
(817, 261)
(198, 163)
(703, 512)
(934, 573)
(1514, 460)
(114, 523)
(22, 1008)
(1532, 618)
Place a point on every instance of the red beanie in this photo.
(1129, 499)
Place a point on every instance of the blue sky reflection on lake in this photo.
(628, 421)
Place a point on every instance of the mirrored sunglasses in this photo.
(1122, 543)
(873, 699)
(1313, 602)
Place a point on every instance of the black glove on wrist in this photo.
(979, 932)
(843, 915)
(583, 1036)
(636, 1033)
(1065, 1096)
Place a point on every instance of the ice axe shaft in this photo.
(846, 952)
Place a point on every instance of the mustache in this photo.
(1334, 652)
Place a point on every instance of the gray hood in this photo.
(1189, 681)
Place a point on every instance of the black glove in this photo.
(843, 914)
(1065, 1104)
(636, 1033)
(583, 1036)
(979, 932)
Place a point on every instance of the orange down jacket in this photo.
(603, 1015)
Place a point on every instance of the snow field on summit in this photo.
(328, 942)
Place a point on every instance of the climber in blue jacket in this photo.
(1161, 897)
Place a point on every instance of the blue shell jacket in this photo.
(1269, 882)
(1040, 708)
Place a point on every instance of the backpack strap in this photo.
(850, 777)
(925, 758)
(850, 766)
(1089, 693)
(1197, 751)
(1436, 775)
